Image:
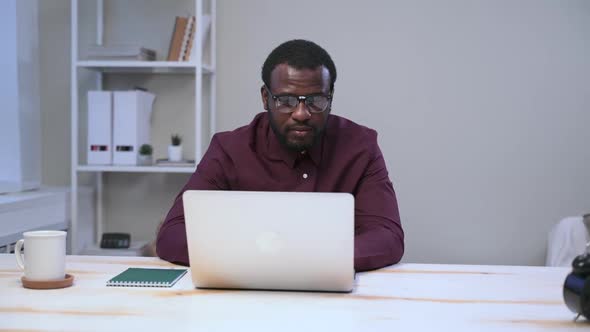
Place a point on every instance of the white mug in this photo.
(45, 255)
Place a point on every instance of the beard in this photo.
(294, 144)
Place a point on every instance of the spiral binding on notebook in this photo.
(144, 277)
(138, 284)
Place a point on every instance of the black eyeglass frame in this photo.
(299, 99)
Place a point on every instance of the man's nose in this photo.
(301, 113)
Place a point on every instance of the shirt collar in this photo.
(278, 152)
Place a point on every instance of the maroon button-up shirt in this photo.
(345, 159)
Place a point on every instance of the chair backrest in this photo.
(567, 239)
(586, 219)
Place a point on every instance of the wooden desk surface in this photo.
(405, 297)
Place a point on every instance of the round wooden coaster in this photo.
(53, 284)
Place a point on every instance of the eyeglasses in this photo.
(317, 103)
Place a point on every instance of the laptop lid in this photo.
(270, 240)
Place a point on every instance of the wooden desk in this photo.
(406, 297)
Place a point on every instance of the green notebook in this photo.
(140, 277)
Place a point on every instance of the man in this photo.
(297, 145)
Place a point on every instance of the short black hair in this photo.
(300, 54)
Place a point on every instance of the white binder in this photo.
(131, 126)
(100, 128)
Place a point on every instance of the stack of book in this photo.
(121, 52)
(180, 163)
(182, 43)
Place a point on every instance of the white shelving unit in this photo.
(146, 67)
(196, 67)
(135, 169)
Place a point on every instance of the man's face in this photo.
(299, 129)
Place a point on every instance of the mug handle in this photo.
(19, 256)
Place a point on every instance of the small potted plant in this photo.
(145, 155)
(175, 149)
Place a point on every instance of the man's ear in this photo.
(331, 99)
(264, 95)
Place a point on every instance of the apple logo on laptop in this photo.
(268, 243)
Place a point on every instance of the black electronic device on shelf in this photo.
(115, 241)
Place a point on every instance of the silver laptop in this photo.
(270, 240)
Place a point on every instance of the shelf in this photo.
(145, 67)
(135, 249)
(135, 169)
(93, 22)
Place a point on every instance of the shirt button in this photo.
(305, 175)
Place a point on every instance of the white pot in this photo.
(144, 160)
(174, 152)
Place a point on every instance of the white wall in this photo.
(480, 106)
